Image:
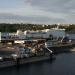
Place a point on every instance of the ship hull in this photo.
(62, 48)
(4, 64)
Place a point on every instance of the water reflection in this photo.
(64, 64)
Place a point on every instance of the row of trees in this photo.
(14, 27)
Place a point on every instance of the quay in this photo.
(4, 64)
(47, 56)
(32, 46)
(38, 54)
(10, 57)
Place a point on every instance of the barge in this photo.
(17, 62)
(23, 58)
(58, 47)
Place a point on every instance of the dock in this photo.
(4, 64)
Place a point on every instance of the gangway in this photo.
(49, 50)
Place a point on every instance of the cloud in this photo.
(40, 11)
(11, 18)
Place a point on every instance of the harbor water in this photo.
(64, 64)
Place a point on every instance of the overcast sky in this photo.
(37, 11)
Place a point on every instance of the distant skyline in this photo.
(37, 11)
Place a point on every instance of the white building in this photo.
(19, 35)
(57, 32)
(45, 33)
(35, 34)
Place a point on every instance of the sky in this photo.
(37, 11)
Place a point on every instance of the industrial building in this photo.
(42, 34)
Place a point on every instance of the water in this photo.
(64, 64)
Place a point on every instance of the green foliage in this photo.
(14, 27)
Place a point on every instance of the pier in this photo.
(38, 54)
(31, 51)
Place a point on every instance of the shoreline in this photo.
(56, 50)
